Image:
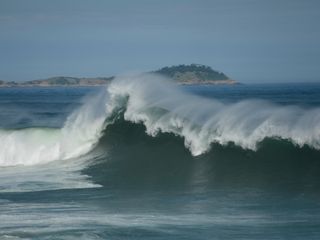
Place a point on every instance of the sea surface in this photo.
(145, 159)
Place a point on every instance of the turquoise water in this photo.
(148, 161)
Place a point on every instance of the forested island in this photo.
(182, 74)
(195, 74)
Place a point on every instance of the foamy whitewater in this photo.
(144, 158)
(80, 132)
(162, 107)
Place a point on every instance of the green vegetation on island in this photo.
(201, 71)
(182, 74)
(195, 74)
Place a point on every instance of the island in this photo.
(195, 74)
(182, 74)
(60, 81)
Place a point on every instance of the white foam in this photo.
(40, 145)
(162, 107)
(64, 220)
(51, 176)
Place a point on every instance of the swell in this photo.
(134, 159)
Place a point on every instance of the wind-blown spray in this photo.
(162, 107)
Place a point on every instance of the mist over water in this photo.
(144, 158)
(162, 107)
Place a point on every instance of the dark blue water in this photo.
(35, 107)
(134, 186)
(304, 94)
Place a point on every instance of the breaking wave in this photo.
(79, 134)
(162, 107)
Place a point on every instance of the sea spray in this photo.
(152, 187)
(163, 107)
(79, 134)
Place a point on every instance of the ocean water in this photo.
(146, 159)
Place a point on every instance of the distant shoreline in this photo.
(223, 82)
(216, 82)
(193, 74)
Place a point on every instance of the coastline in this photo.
(193, 74)
(187, 82)
(208, 82)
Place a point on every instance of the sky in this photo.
(249, 40)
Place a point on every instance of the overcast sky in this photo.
(249, 40)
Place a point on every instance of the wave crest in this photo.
(162, 107)
(80, 133)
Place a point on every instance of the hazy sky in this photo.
(249, 40)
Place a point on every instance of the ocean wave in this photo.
(79, 134)
(162, 107)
